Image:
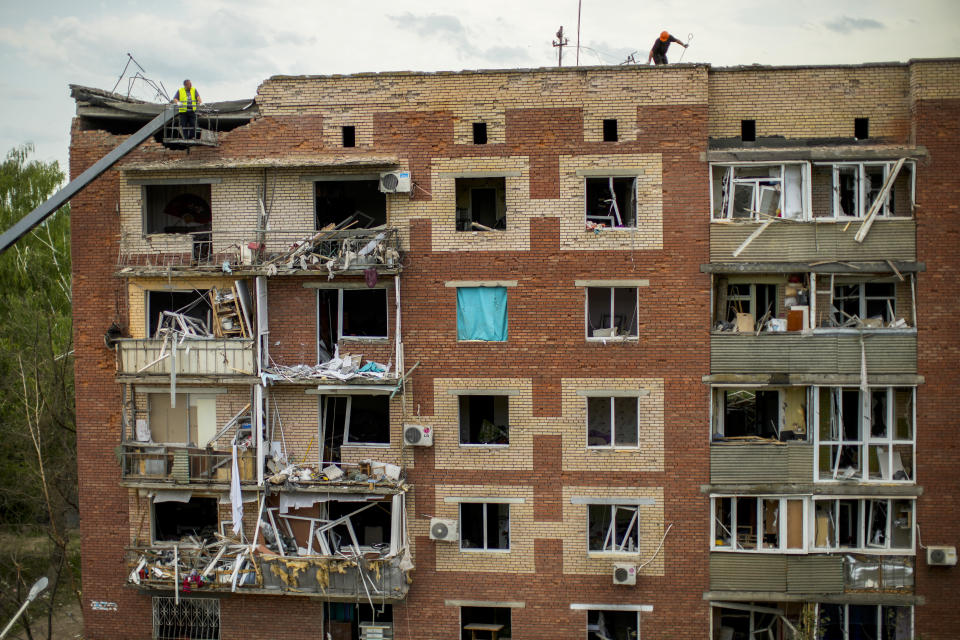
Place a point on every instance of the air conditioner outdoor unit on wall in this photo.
(418, 435)
(624, 574)
(941, 556)
(444, 530)
(395, 182)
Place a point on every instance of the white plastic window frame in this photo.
(861, 194)
(631, 337)
(386, 313)
(866, 441)
(486, 548)
(879, 609)
(782, 524)
(864, 519)
(729, 169)
(346, 420)
(633, 528)
(613, 446)
(480, 445)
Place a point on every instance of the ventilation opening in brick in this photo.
(485, 420)
(481, 204)
(612, 202)
(350, 313)
(370, 526)
(605, 625)
(485, 526)
(342, 202)
(349, 136)
(861, 128)
(357, 419)
(484, 616)
(186, 618)
(174, 520)
(479, 133)
(609, 130)
(193, 304)
(748, 130)
(177, 208)
(344, 620)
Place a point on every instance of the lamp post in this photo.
(35, 590)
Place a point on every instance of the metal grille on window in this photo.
(191, 618)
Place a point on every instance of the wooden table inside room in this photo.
(473, 627)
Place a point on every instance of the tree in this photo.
(38, 481)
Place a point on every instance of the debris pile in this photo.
(333, 250)
(345, 367)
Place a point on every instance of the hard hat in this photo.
(664, 36)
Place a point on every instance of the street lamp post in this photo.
(35, 590)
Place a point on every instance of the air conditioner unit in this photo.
(941, 556)
(444, 530)
(418, 435)
(624, 574)
(395, 182)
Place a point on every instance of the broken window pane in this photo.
(194, 303)
(619, 413)
(482, 313)
(180, 208)
(771, 523)
(370, 526)
(369, 419)
(848, 524)
(746, 522)
(484, 420)
(848, 190)
(611, 312)
(613, 625)
(363, 313)
(723, 527)
(612, 201)
(613, 528)
(340, 202)
(485, 526)
(751, 412)
(175, 520)
(481, 204)
(825, 533)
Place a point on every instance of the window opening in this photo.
(481, 204)
(609, 130)
(864, 622)
(192, 421)
(751, 413)
(749, 306)
(612, 201)
(759, 192)
(613, 528)
(613, 625)
(195, 304)
(479, 619)
(750, 523)
(484, 420)
(479, 133)
(371, 526)
(351, 314)
(177, 208)
(484, 526)
(612, 422)
(348, 136)
(856, 186)
(744, 624)
(748, 130)
(861, 128)
(865, 524)
(358, 419)
(347, 620)
(482, 314)
(612, 312)
(175, 520)
(340, 202)
(188, 619)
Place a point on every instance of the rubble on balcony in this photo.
(368, 474)
(339, 367)
(333, 250)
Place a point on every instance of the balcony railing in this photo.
(178, 464)
(266, 252)
(208, 357)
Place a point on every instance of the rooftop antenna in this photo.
(159, 90)
(579, 4)
(560, 43)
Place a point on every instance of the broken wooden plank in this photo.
(878, 203)
(895, 270)
(753, 236)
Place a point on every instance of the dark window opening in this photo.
(481, 204)
(609, 130)
(363, 313)
(175, 520)
(611, 312)
(861, 128)
(613, 528)
(484, 420)
(195, 304)
(340, 202)
(188, 619)
(370, 526)
(484, 526)
(613, 625)
(612, 201)
(747, 412)
(349, 136)
(612, 421)
(748, 130)
(178, 208)
(484, 615)
(356, 419)
(479, 133)
(876, 300)
(344, 619)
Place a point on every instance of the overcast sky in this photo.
(229, 47)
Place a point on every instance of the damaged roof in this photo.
(97, 103)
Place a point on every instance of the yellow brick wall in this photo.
(935, 80)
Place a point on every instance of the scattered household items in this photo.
(343, 368)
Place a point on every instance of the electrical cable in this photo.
(659, 546)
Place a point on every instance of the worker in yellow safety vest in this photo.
(188, 99)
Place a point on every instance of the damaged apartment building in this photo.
(600, 352)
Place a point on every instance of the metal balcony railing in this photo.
(215, 356)
(181, 464)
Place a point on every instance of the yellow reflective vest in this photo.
(188, 102)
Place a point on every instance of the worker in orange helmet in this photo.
(658, 53)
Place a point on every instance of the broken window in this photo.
(358, 419)
(195, 304)
(742, 306)
(870, 303)
(612, 201)
(484, 526)
(192, 421)
(864, 524)
(857, 185)
(609, 130)
(186, 618)
(759, 191)
(613, 625)
(612, 312)
(751, 523)
(371, 527)
(348, 620)
(750, 622)
(484, 420)
(481, 204)
(613, 422)
(745, 413)
(613, 528)
(484, 616)
(479, 133)
(173, 520)
(176, 208)
(344, 201)
(865, 435)
(351, 313)
(482, 313)
(864, 622)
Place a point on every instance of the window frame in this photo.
(783, 524)
(863, 300)
(723, 211)
(613, 446)
(864, 519)
(464, 216)
(386, 313)
(493, 394)
(324, 398)
(506, 327)
(147, 184)
(860, 167)
(634, 199)
(635, 320)
(879, 617)
(485, 548)
(633, 529)
(718, 424)
(592, 634)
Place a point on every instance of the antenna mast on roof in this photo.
(560, 43)
(159, 90)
